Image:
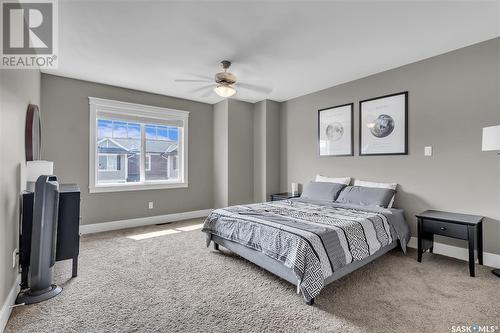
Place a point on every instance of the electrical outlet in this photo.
(428, 151)
(151, 205)
(14, 258)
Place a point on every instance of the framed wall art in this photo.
(335, 131)
(383, 125)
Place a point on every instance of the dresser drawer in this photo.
(445, 228)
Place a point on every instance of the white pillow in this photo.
(392, 186)
(341, 180)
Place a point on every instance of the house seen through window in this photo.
(120, 150)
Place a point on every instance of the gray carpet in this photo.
(173, 283)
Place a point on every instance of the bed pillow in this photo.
(340, 180)
(392, 186)
(322, 191)
(366, 196)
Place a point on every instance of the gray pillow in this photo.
(366, 196)
(322, 191)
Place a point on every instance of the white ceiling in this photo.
(293, 47)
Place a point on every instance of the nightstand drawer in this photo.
(283, 196)
(445, 229)
(278, 198)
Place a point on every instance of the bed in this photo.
(308, 243)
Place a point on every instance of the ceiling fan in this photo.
(224, 83)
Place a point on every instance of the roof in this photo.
(123, 146)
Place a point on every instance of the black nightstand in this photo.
(461, 226)
(283, 196)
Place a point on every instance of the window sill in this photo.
(137, 187)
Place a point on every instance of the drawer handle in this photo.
(443, 228)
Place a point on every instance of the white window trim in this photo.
(148, 160)
(153, 112)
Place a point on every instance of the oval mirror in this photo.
(32, 133)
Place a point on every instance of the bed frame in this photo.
(277, 268)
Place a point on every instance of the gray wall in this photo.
(259, 151)
(18, 88)
(240, 148)
(220, 125)
(266, 154)
(451, 98)
(273, 146)
(66, 142)
(233, 153)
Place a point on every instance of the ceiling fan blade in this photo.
(188, 80)
(201, 76)
(208, 92)
(201, 89)
(249, 86)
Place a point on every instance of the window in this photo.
(109, 162)
(136, 147)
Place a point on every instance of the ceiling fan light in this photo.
(224, 91)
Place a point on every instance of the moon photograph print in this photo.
(383, 125)
(335, 130)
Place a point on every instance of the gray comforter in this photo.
(312, 238)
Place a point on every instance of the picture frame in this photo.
(383, 125)
(336, 130)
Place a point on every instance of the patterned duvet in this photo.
(313, 239)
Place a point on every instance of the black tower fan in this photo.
(43, 243)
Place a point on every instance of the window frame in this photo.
(99, 106)
(147, 164)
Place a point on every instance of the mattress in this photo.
(316, 241)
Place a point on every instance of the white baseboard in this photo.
(7, 305)
(142, 221)
(489, 259)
